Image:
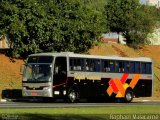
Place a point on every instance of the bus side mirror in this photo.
(22, 69)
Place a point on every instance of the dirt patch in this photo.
(10, 76)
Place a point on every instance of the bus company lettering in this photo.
(119, 86)
(79, 76)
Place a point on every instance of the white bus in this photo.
(73, 76)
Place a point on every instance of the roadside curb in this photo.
(146, 100)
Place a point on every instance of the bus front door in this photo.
(60, 71)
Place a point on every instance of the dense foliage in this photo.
(34, 26)
(131, 19)
(49, 25)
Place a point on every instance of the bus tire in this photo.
(73, 95)
(128, 96)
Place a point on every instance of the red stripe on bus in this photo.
(113, 85)
(124, 78)
(60, 84)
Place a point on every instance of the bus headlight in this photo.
(56, 92)
(64, 92)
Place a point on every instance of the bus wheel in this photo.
(73, 95)
(128, 96)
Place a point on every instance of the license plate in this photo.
(34, 93)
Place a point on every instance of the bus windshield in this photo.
(37, 73)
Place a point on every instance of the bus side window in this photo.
(105, 66)
(91, 67)
(96, 65)
(132, 67)
(80, 64)
(119, 66)
(148, 68)
(71, 64)
(126, 67)
(137, 67)
(143, 67)
(76, 64)
(87, 65)
(112, 66)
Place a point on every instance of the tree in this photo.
(50, 25)
(96, 4)
(131, 19)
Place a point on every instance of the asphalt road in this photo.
(73, 105)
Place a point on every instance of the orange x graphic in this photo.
(119, 86)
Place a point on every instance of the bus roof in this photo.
(75, 55)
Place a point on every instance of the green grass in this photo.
(93, 113)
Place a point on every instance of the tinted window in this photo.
(40, 59)
(126, 66)
(132, 67)
(92, 65)
(97, 65)
(71, 64)
(143, 67)
(148, 68)
(105, 66)
(112, 66)
(137, 67)
(119, 66)
(76, 64)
